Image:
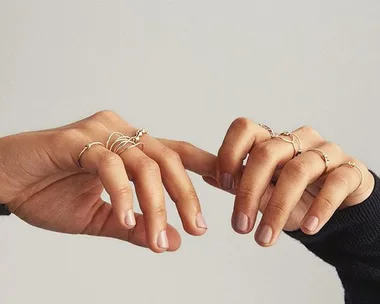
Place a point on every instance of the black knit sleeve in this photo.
(350, 242)
(4, 210)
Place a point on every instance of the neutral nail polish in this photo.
(200, 221)
(163, 241)
(264, 234)
(311, 223)
(241, 222)
(227, 181)
(130, 220)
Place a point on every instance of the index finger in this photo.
(193, 158)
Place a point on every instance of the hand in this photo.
(291, 192)
(42, 183)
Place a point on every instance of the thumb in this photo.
(193, 158)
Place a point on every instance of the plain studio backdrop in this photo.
(184, 70)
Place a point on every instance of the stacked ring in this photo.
(271, 132)
(352, 164)
(324, 156)
(118, 146)
(292, 136)
(86, 148)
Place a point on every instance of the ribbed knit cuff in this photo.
(365, 214)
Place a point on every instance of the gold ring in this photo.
(271, 132)
(299, 151)
(139, 133)
(290, 141)
(121, 143)
(352, 164)
(324, 156)
(87, 147)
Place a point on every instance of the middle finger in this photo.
(178, 185)
(263, 160)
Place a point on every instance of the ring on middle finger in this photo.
(120, 143)
(324, 156)
(139, 133)
(291, 140)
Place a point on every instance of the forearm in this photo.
(350, 242)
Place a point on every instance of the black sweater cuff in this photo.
(350, 241)
(4, 210)
(366, 215)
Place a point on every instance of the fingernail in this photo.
(241, 222)
(311, 223)
(130, 220)
(163, 241)
(227, 181)
(200, 221)
(264, 234)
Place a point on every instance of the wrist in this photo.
(4, 180)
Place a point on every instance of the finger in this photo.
(146, 176)
(193, 158)
(337, 187)
(110, 169)
(104, 223)
(262, 162)
(238, 142)
(296, 175)
(214, 183)
(177, 184)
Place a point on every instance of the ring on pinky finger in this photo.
(339, 184)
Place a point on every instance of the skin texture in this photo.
(291, 192)
(45, 186)
(42, 183)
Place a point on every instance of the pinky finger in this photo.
(338, 186)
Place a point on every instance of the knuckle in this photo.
(108, 159)
(102, 119)
(242, 123)
(71, 134)
(326, 203)
(245, 193)
(190, 195)
(171, 155)
(104, 114)
(276, 209)
(297, 169)
(148, 164)
(185, 146)
(263, 152)
(310, 132)
(340, 181)
(62, 137)
(123, 191)
(226, 153)
(159, 211)
(335, 147)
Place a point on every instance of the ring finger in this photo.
(263, 160)
(339, 184)
(294, 178)
(177, 184)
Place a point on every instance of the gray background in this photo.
(184, 70)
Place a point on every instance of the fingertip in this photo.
(241, 223)
(174, 239)
(310, 225)
(193, 229)
(129, 219)
(264, 235)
